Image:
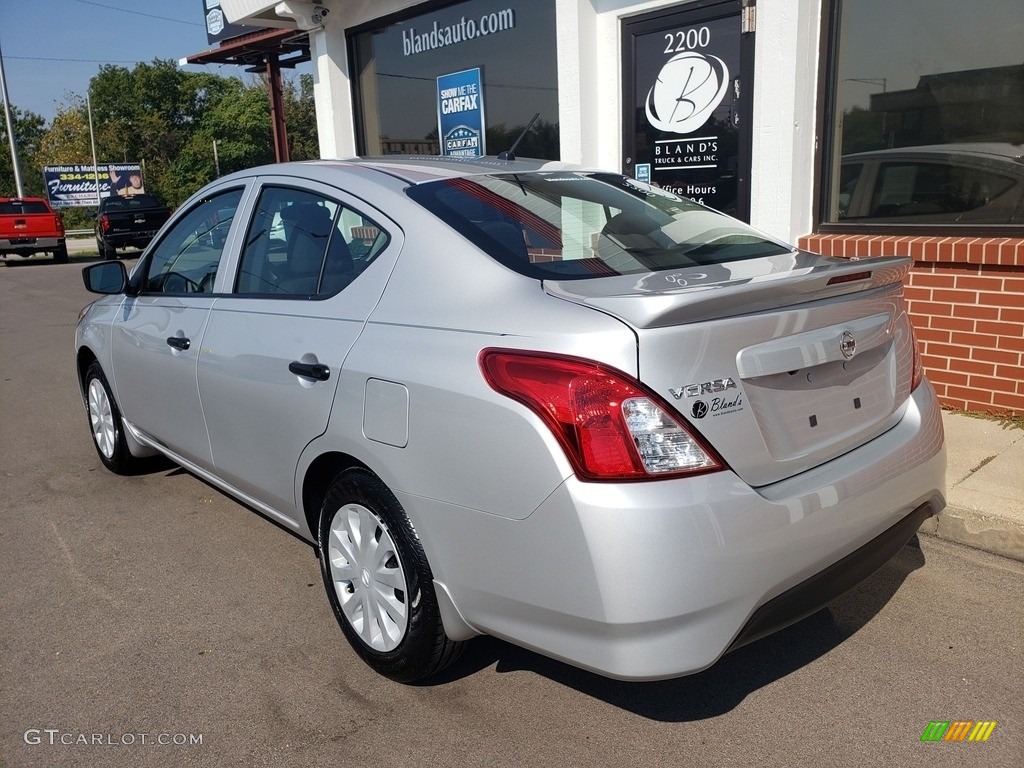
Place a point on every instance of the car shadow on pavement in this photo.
(727, 683)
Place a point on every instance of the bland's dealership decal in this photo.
(443, 35)
(687, 93)
(689, 88)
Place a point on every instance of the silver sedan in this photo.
(549, 404)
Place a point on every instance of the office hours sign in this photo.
(686, 94)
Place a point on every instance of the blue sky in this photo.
(53, 47)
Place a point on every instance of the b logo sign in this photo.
(689, 88)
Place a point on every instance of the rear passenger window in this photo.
(304, 244)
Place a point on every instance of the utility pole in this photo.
(92, 141)
(10, 130)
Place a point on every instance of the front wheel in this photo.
(378, 580)
(105, 424)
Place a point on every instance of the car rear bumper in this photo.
(30, 245)
(125, 239)
(646, 581)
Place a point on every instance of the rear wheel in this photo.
(106, 253)
(378, 580)
(105, 424)
(61, 254)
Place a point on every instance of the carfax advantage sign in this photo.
(460, 114)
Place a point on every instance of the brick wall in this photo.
(966, 301)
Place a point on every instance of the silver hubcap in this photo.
(368, 577)
(101, 418)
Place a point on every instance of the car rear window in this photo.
(23, 207)
(576, 225)
(131, 203)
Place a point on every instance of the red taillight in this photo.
(58, 223)
(609, 425)
(104, 223)
(917, 371)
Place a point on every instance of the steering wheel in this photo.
(175, 282)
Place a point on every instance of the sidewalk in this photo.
(985, 486)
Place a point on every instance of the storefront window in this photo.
(927, 105)
(397, 67)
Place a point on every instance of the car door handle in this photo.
(317, 371)
(178, 342)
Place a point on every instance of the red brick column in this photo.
(966, 300)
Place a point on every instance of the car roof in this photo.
(986, 149)
(23, 200)
(416, 169)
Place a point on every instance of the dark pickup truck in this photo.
(128, 221)
(29, 225)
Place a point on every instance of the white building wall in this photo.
(590, 90)
(785, 102)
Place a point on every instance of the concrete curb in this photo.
(985, 486)
(990, 533)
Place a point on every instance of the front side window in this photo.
(927, 114)
(187, 258)
(574, 225)
(300, 243)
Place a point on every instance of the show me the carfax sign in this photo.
(69, 186)
(460, 114)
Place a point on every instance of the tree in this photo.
(29, 129)
(300, 115)
(66, 141)
(168, 120)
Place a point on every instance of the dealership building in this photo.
(853, 129)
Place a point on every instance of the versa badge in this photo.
(705, 388)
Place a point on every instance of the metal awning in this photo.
(266, 51)
(289, 46)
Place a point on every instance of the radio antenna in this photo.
(509, 154)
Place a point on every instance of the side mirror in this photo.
(91, 214)
(108, 278)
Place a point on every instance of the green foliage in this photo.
(29, 129)
(301, 115)
(167, 119)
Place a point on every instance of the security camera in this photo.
(319, 12)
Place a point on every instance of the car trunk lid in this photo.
(781, 363)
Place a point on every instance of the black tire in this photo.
(358, 502)
(105, 424)
(108, 254)
(60, 256)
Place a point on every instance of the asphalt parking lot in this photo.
(151, 620)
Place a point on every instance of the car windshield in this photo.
(576, 225)
(131, 203)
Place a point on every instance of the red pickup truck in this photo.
(29, 225)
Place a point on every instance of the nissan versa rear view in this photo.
(523, 399)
